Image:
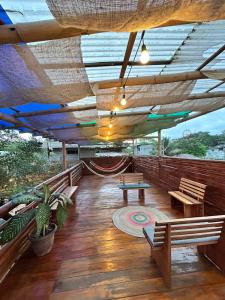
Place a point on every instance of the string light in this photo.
(116, 108)
(144, 58)
(123, 101)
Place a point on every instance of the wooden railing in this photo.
(11, 252)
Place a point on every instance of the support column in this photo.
(64, 155)
(133, 148)
(159, 143)
(78, 151)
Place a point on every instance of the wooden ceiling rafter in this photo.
(93, 106)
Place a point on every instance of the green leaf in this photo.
(42, 217)
(27, 196)
(61, 215)
(46, 193)
(15, 226)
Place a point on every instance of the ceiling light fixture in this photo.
(123, 101)
(144, 58)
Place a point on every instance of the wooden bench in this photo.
(133, 181)
(69, 192)
(183, 232)
(191, 195)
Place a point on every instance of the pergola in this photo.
(64, 72)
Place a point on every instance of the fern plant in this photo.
(41, 213)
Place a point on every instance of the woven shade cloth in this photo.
(47, 72)
(121, 121)
(200, 105)
(135, 15)
(71, 134)
(145, 95)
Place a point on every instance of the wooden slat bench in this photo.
(69, 192)
(199, 231)
(133, 181)
(191, 195)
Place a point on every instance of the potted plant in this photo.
(42, 238)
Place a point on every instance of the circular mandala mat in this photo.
(132, 219)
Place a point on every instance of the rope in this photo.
(101, 175)
(111, 169)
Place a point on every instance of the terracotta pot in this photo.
(43, 245)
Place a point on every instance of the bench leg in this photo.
(193, 211)
(141, 194)
(125, 198)
(188, 211)
(163, 259)
(174, 202)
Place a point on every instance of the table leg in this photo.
(141, 194)
(125, 198)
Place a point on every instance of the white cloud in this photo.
(213, 122)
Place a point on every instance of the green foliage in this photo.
(42, 218)
(23, 163)
(61, 215)
(27, 196)
(15, 225)
(42, 213)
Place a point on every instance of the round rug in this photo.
(132, 219)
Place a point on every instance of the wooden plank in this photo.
(201, 185)
(128, 52)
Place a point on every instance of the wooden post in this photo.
(64, 155)
(78, 151)
(133, 148)
(159, 143)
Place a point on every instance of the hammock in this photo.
(101, 175)
(110, 169)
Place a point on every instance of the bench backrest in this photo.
(192, 188)
(201, 230)
(131, 178)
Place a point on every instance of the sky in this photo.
(213, 122)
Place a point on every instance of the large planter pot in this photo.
(43, 245)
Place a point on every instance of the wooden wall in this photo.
(167, 172)
(104, 162)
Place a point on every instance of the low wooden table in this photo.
(132, 186)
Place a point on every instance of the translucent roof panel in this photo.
(22, 11)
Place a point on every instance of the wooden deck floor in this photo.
(93, 260)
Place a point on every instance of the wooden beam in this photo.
(38, 31)
(56, 111)
(156, 79)
(64, 156)
(78, 151)
(47, 30)
(18, 123)
(93, 106)
(120, 63)
(215, 86)
(211, 58)
(159, 146)
(128, 52)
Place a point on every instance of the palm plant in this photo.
(41, 213)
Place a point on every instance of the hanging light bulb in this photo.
(110, 125)
(123, 101)
(144, 59)
(108, 132)
(107, 138)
